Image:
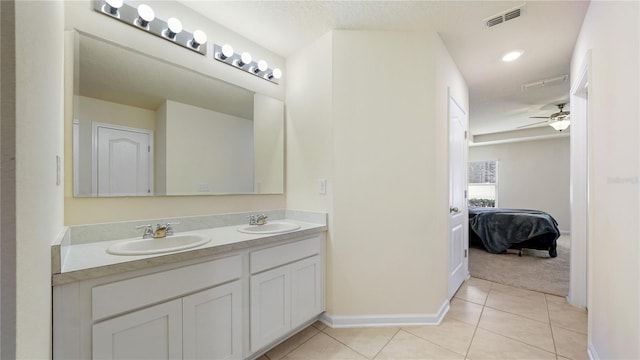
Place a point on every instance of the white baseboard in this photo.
(593, 355)
(350, 321)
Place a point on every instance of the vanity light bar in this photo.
(144, 19)
(245, 62)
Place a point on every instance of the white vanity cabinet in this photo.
(204, 325)
(192, 312)
(287, 289)
(211, 323)
(151, 333)
(233, 305)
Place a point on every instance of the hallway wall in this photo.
(611, 31)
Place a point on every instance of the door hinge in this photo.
(148, 148)
(465, 134)
(465, 252)
(465, 194)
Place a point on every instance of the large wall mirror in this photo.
(146, 127)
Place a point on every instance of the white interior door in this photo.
(458, 232)
(122, 161)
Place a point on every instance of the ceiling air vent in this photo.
(505, 16)
(494, 21)
(512, 14)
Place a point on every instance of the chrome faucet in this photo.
(257, 219)
(160, 231)
(169, 227)
(148, 231)
(261, 219)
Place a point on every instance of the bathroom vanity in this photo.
(232, 298)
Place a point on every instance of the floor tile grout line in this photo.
(570, 330)
(508, 337)
(295, 348)
(475, 329)
(350, 348)
(520, 341)
(429, 341)
(387, 343)
(553, 338)
(516, 314)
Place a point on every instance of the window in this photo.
(483, 181)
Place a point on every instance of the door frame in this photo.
(95, 125)
(581, 177)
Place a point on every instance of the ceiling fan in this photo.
(558, 120)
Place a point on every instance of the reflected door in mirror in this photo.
(122, 161)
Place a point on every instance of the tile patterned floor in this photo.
(486, 321)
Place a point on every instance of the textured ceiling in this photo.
(547, 33)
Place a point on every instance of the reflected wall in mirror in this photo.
(146, 127)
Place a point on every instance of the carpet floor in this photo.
(535, 270)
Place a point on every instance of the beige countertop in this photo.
(91, 260)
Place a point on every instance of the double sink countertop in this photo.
(73, 262)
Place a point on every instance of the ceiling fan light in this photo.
(560, 124)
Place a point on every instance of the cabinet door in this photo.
(307, 291)
(151, 333)
(270, 306)
(212, 321)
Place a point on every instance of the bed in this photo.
(498, 229)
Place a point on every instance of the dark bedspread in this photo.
(501, 229)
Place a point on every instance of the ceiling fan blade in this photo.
(535, 123)
(539, 117)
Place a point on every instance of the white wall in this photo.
(383, 137)
(375, 130)
(309, 126)
(39, 134)
(224, 148)
(611, 31)
(81, 16)
(532, 175)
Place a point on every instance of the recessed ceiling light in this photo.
(512, 55)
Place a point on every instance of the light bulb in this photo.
(199, 38)
(174, 27)
(113, 6)
(245, 59)
(145, 15)
(512, 56)
(262, 65)
(275, 74)
(560, 124)
(227, 51)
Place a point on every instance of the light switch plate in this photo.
(322, 185)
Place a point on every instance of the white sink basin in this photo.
(157, 246)
(269, 228)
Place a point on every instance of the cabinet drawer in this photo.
(122, 296)
(279, 255)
